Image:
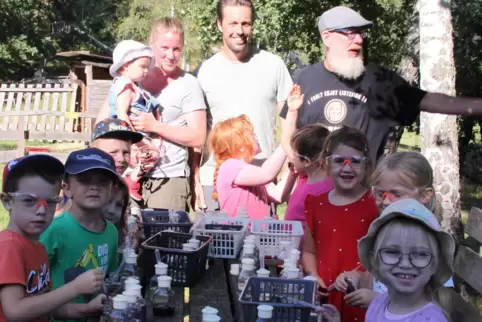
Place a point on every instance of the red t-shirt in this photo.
(336, 231)
(24, 262)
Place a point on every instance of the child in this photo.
(398, 176)
(306, 149)
(115, 211)
(338, 219)
(238, 183)
(131, 61)
(81, 239)
(406, 249)
(30, 193)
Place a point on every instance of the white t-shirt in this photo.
(180, 97)
(253, 87)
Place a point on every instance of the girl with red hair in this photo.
(237, 183)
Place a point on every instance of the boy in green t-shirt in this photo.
(80, 239)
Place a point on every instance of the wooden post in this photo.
(21, 137)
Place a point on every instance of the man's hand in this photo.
(200, 201)
(295, 98)
(89, 282)
(361, 298)
(143, 121)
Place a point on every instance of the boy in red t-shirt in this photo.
(30, 193)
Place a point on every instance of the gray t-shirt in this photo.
(253, 87)
(180, 97)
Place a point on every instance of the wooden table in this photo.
(216, 289)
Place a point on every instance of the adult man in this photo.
(239, 80)
(342, 91)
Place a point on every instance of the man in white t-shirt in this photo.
(240, 79)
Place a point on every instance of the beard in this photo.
(347, 67)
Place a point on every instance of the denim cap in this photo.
(127, 51)
(43, 162)
(89, 159)
(341, 17)
(414, 210)
(113, 128)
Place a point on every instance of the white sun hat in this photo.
(126, 51)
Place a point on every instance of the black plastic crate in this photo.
(185, 267)
(275, 292)
(157, 220)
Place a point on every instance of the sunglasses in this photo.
(342, 160)
(31, 201)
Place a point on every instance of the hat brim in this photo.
(132, 136)
(447, 247)
(129, 56)
(78, 169)
(44, 162)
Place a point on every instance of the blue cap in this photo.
(89, 159)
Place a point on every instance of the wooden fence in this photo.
(468, 267)
(42, 112)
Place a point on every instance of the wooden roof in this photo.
(85, 57)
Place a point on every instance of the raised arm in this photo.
(294, 102)
(252, 175)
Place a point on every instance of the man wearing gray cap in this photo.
(343, 91)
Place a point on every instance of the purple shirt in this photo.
(296, 205)
(378, 312)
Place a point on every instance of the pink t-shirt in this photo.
(378, 312)
(231, 196)
(296, 205)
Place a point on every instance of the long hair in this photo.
(416, 172)
(232, 138)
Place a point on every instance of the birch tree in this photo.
(439, 133)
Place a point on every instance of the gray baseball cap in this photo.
(341, 17)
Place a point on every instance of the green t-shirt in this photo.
(70, 245)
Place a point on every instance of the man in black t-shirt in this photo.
(343, 91)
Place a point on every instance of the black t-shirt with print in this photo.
(375, 103)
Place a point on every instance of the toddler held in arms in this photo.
(131, 62)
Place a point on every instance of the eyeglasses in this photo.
(418, 259)
(392, 194)
(31, 201)
(342, 160)
(351, 33)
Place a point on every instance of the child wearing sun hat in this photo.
(407, 250)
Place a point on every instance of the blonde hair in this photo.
(416, 169)
(405, 226)
(164, 25)
(232, 138)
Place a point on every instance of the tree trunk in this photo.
(439, 133)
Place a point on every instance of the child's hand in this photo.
(341, 283)
(295, 98)
(361, 298)
(89, 282)
(96, 305)
(330, 313)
